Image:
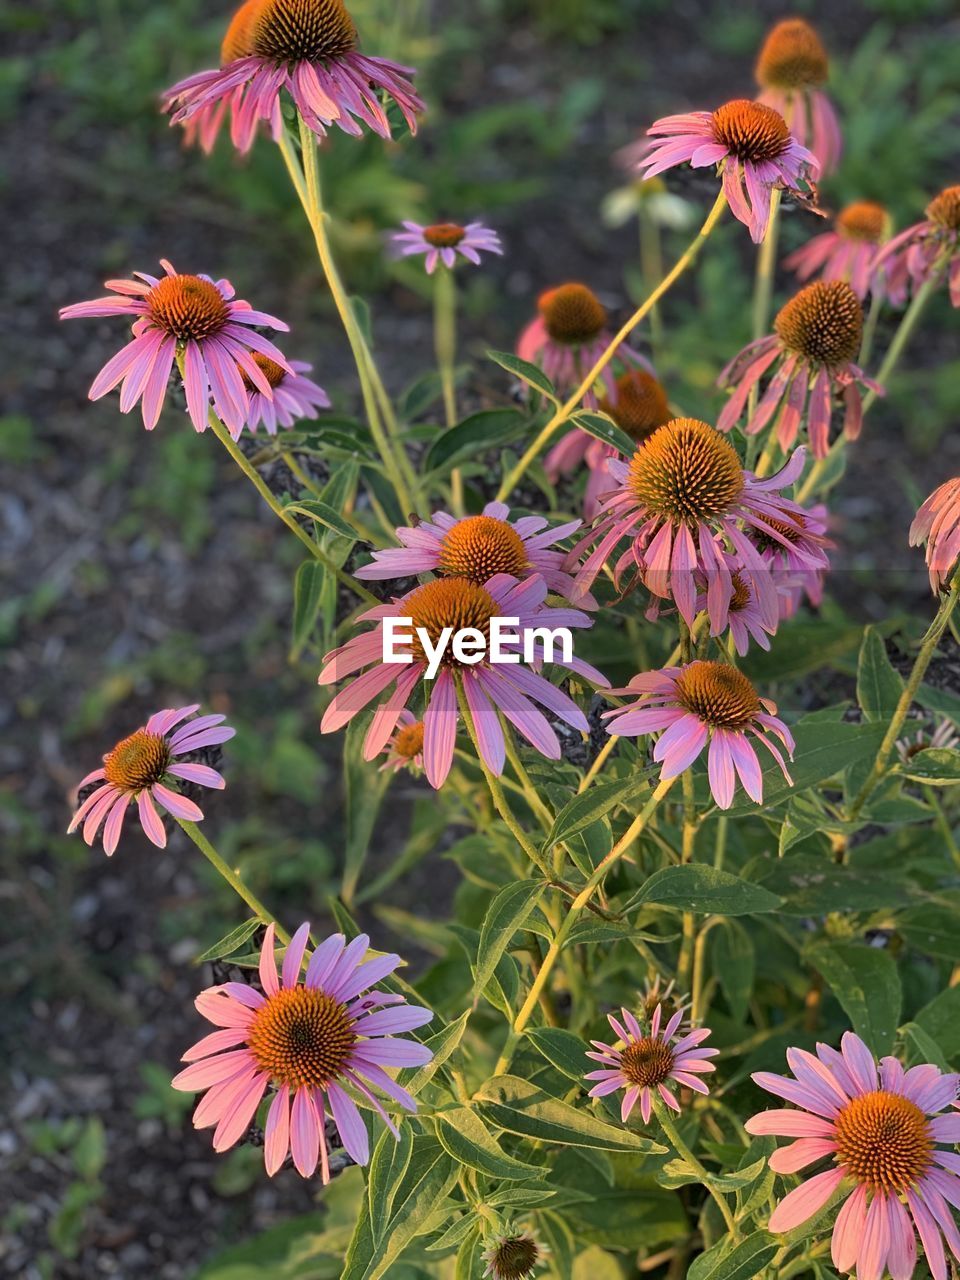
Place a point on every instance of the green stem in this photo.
(651, 269)
(445, 344)
(766, 269)
(682, 1150)
(231, 877)
(943, 822)
(870, 329)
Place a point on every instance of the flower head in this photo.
(745, 618)
(203, 127)
(937, 524)
(849, 251)
(146, 767)
(489, 688)
(879, 1127)
(817, 335)
(294, 395)
(666, 996)
(796, 556)
(309, 49)
(316, 1040)
(748, 142)
(514, 1256)
(194, 319)
(404, 749)
(791, 71)
(642, 1062)
(918, 254)
(704, 704)
(443, 241)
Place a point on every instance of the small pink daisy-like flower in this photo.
(442, 241)
(749, 142)
(650, 1060)
(704, 704)
(912, 257)
(142, 767)
(849, 251)
(880, 1127)
(489, 688)
(937, 524)
(682, 500)
(817, 335)
(190, 316)
(294, 396)
(404, 749)
(478, 548)
(514, 1256)
(309, 48)
(315, 1040)
(791, 69)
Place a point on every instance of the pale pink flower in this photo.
(791, 70)
(704, 704)
(645, 1062)
(798, 557)
(295, 396)
(911, 258)
(146, 767)
(197, 319)
(317, 1041)
(847, 252)
(404, 749)
(879, 1127)
(745, 620)
(937, 524)
(441, 242)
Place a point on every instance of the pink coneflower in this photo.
(198, 319)
(144, 767)
(849, 251)
(791, 69)
(745, 620)
(699, 704)
(797, 558)
(478, 548)
(944, 736)
(881, 1129)
(514, 1256)
(315, 1041)
(682, 499)
(937, 524)
(442, 241)
(309, 48)
(512, 689)
(569, 336)
(204, 126)
(294, 396)
(751, 145)
(650, 1060)
(404, 749)
(817, 336)
(911, 258)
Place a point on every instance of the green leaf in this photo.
(488, 429)
(365, 789)
(324, 514)
(879, 686)
(562, 1049)
(936, 766)
(526, 372)
(442, 1045)
(932, 929)
(603, 428)
(307, 594)
(866, 982)
(815, 886)
(734, 963)
(941, 1020)
(726, 1261)
(231, 942)
(706, 890)
(505, 915)
(89, 1152)
(465, 1136)
(922, 1047)
(583, 810)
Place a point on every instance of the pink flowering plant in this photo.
(564, 618)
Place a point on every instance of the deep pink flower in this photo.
(849, 251)
(309, 48)
(294, 396)
(817, 335)
(791, 70)
(315, 1040)
(204, 126)
(144, 767)
(752, 147)
(478, 547)
(704, 704)
(879, 1128)
(404, 749)
(442, 241)
(650, 1060)
(190, 316)
(912, 257)
(937, 524)
(490, 688)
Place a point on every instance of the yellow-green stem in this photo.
(231, 877)
(682, 1150)
(445, 345)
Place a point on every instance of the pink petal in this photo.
(804, 1201)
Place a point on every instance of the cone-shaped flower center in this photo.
(751, 131)
(823, 323)
(717, 694)
(444, 235)
(944, 210)
(302, 30)
(863, 220)
(792, 57)
(237, 43)
(273, 372)
(789, 529)
(741, 593)
(687, 472)
(640, 405)
(647, 1062)
(479, 547)
(137, 762)
(573, 314)
(187, 307)
(409, 740)
(883, 1140)
(448, 602)
(514, 1258)
(302, 1036)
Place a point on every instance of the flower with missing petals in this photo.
(643, 1063)
(316, 1040)
(937, 524)
(881, 1129)
(514, 1256)
(195, 319)
(146, 767)
(817, 337)
(443, 241)
(404, 749)
(665, 995)
(294, 395)
(944, 737)
(926, 249)
(309, 49)
(751, 147)
(849, 251)
(708, 705)
(791, 71)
